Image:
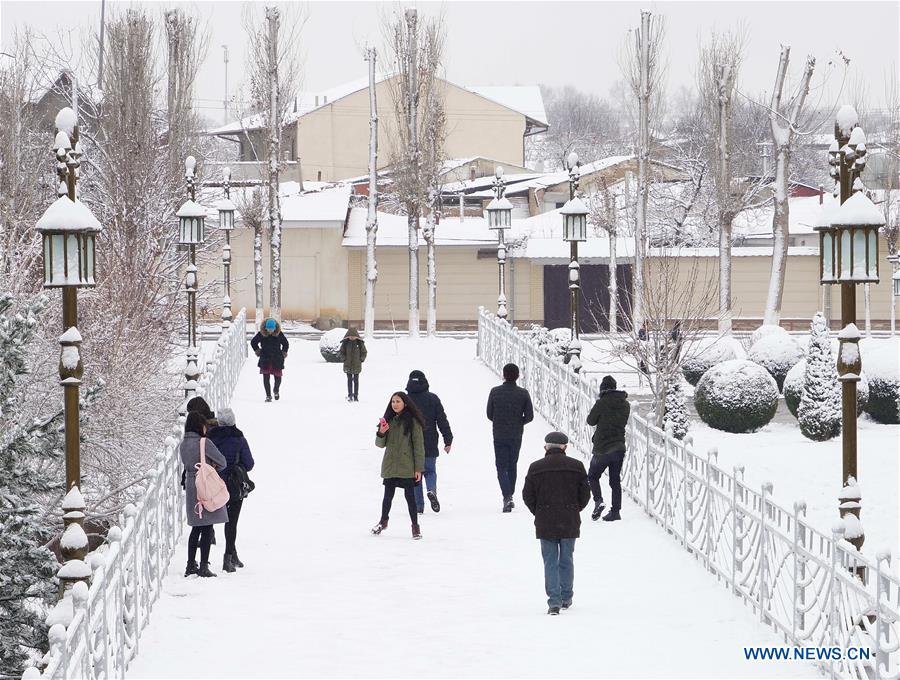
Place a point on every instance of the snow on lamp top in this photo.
(225, 204)
(845, 120)
(66, 120)
(189, 164)
(572, 160)
(191, 209)
(498, 171)
(67, 215)
(857, 136)
(226, 174)
(857, 211)
(61, 141)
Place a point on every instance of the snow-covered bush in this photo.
(553, 342)
(776, 353)
(736, 396)
(881, 367)
(819, 412)
(676, 410)
(765, 331)
(330, 345)
(793, 389)
(707, 352)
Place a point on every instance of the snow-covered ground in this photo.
(321, 597)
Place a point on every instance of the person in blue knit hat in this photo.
(271, 347)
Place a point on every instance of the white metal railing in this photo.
(110, 613)
(796, 578)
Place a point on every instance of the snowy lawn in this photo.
(321, 597)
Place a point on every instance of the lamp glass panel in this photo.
(89, 273)
(827, 256)
(201, 224)
(859, 254)
(72, 255)
(845, 254)
(872, 238)
(58, 250)
(48, 258)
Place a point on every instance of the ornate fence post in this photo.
(763, 590)
(834, 602)
(883, 644)
(799, 610)
(737, 526)
(711, 455)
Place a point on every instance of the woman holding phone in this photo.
(400, 434)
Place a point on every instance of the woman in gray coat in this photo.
(201, 524)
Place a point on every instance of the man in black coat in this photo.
(509, 409)
(610, 416)
(556, 491)
(435, 419)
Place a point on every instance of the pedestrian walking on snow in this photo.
(233, 446)
(509, 409)
(556, 491)
(353, 353)
(400, 434)
(202, 522)
(610, 416)
(435, 419)
(271, 346)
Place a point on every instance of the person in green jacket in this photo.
(353, 354)
(400, 434)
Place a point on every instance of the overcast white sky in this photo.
(524, 42)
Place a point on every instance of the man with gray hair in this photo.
(556, 491)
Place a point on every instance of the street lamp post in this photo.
(499, 212)
(68, 230)
(192, 227)
(895, 278)
(226, 224)
(848, 255)
(574, 214)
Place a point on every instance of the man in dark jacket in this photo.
(610, 416)
(435, 419)
(509, 409)
(556, 491)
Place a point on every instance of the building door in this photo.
(300, 287)
(593, 308)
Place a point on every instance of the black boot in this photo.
(191, 568)
(598, 510)
(228, 564)
(416, 532)
(235, 560)
(204, 570)
(433, 499)
(611, 516)
(276, 396)
(268, 398)
(381, 526)
(507, 504)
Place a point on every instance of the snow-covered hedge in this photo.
(736, 396)
(766, 330)
(881, 368)
(707, 352)
(793, 389)
(777, 353)
(553, 342)
(330, 344)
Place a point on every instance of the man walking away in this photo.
(556, 491)
(610, 416)
(509, 409)
(435, 419)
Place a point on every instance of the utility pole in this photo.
(643, 160)
(372, 216)
(412, 38)
(102, 40)
(225, 48)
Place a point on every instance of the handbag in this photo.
(239, 483)
(212, 493)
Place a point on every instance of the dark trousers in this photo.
(202, 536)
(234, 513)
(506, 457)
(268, 386)
(409, 493)
(599, 464)
(353, 385)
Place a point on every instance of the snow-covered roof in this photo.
(394, 231)
(803, 214)
(524, 99)
(328, 204)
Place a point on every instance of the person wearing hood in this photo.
(232, 444)
(556, 491)
(435, 419)
(271, 346)
(353, 353)
(610, 416)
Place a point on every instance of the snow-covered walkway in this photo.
(321, 597)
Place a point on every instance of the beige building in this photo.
(328, 133)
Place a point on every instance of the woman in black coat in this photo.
(271, 347)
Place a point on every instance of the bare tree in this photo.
(253, 215)
(416, 52)
(784, 119)
(603, 214)
(891, 203)
(372, 216)
(579, 122)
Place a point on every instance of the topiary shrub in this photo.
(777, 353)
(330, 345)
(819, 413)
(881, 368)
(793, 389)
(766, 330)
(676, 410)
(707, 352)
(736, 396)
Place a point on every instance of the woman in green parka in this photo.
(400, 434)
(353, 354)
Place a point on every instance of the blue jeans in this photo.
(559, 569)
(506, 457)
(429, 475)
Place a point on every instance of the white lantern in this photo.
(896, 279)
(226, 214)
(856, 224)
(499, 213)
(192, 223)
(574, 215)
(827, 245)
(69, 231)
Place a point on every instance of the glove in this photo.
(284, 354)
(256, 352)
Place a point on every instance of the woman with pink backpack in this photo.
(196, 448)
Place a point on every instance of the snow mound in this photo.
(330, 344)
(776, 353)
(766, 330)
(736, 396)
